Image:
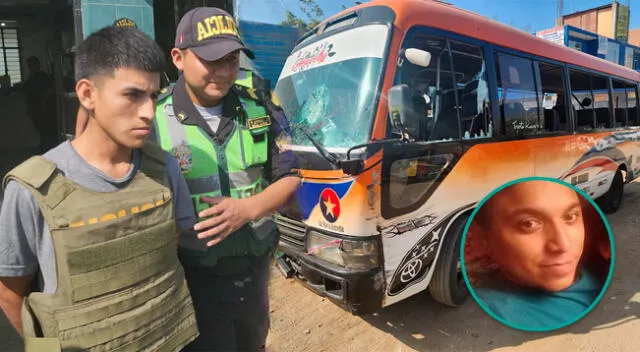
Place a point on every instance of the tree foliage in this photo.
(312, 11)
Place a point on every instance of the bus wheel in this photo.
(610, 202)
(447, 284)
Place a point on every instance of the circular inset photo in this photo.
(537, 254)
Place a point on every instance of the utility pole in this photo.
(559, 11)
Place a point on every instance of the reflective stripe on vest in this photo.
(232, 169)
(120, 284)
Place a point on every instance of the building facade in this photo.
(602, 32)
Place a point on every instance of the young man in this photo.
(224, 140)
(88, 230)
(537, 241)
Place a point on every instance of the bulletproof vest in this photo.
(232, 169)
(120, 284)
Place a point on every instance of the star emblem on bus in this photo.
(330, 205)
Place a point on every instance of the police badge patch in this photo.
(182, 153)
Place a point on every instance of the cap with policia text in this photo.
(211, 33)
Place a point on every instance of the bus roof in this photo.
(441, 15)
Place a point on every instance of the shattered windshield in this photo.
(328, 87)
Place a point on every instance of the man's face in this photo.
(124, 105)
(209, 81)
(536, 233)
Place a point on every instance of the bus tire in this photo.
(610, 202)
(447, 285)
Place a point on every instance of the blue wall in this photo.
(271, 44)
(591, 46)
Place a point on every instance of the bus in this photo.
(405, 114)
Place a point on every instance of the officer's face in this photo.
(535, 232)
(208, 81)
(122, 104)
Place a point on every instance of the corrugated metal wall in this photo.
(271, 44)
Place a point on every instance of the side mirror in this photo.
(586, 102)
(416, 56)
(402, 114)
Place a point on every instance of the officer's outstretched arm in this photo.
(281, 168)
(275, 196)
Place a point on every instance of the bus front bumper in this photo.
(357, 291)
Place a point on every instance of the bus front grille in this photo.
(292, 232)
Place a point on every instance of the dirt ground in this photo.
(303, 321)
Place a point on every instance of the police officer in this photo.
(89, 229)
(223, 137)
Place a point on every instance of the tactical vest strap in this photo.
(49, 344)
(43, 179)
(35, 171)
(152, 161)
(31, 333)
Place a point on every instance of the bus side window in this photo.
(517, 94)
(553, 98)
(472, 89)
(632, 105)
(434, 94)
(619, 100)
(582, 101)
(601, 107)
(625, 105)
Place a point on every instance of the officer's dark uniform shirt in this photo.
(281, 162)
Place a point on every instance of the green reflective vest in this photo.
(233, 169)
(256, 86)
(245, 78)
(120, 284)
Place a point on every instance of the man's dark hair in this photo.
(112, 48)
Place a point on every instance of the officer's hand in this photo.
(225, 216)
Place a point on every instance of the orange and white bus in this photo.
(405, 114)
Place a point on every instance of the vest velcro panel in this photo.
(92, 274)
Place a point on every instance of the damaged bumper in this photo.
(357, 291)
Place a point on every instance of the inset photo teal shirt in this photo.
(541, 310)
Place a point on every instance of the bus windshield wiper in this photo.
(330, 157)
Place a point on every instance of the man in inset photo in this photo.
(530, 258)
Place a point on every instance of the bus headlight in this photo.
(356, 254)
